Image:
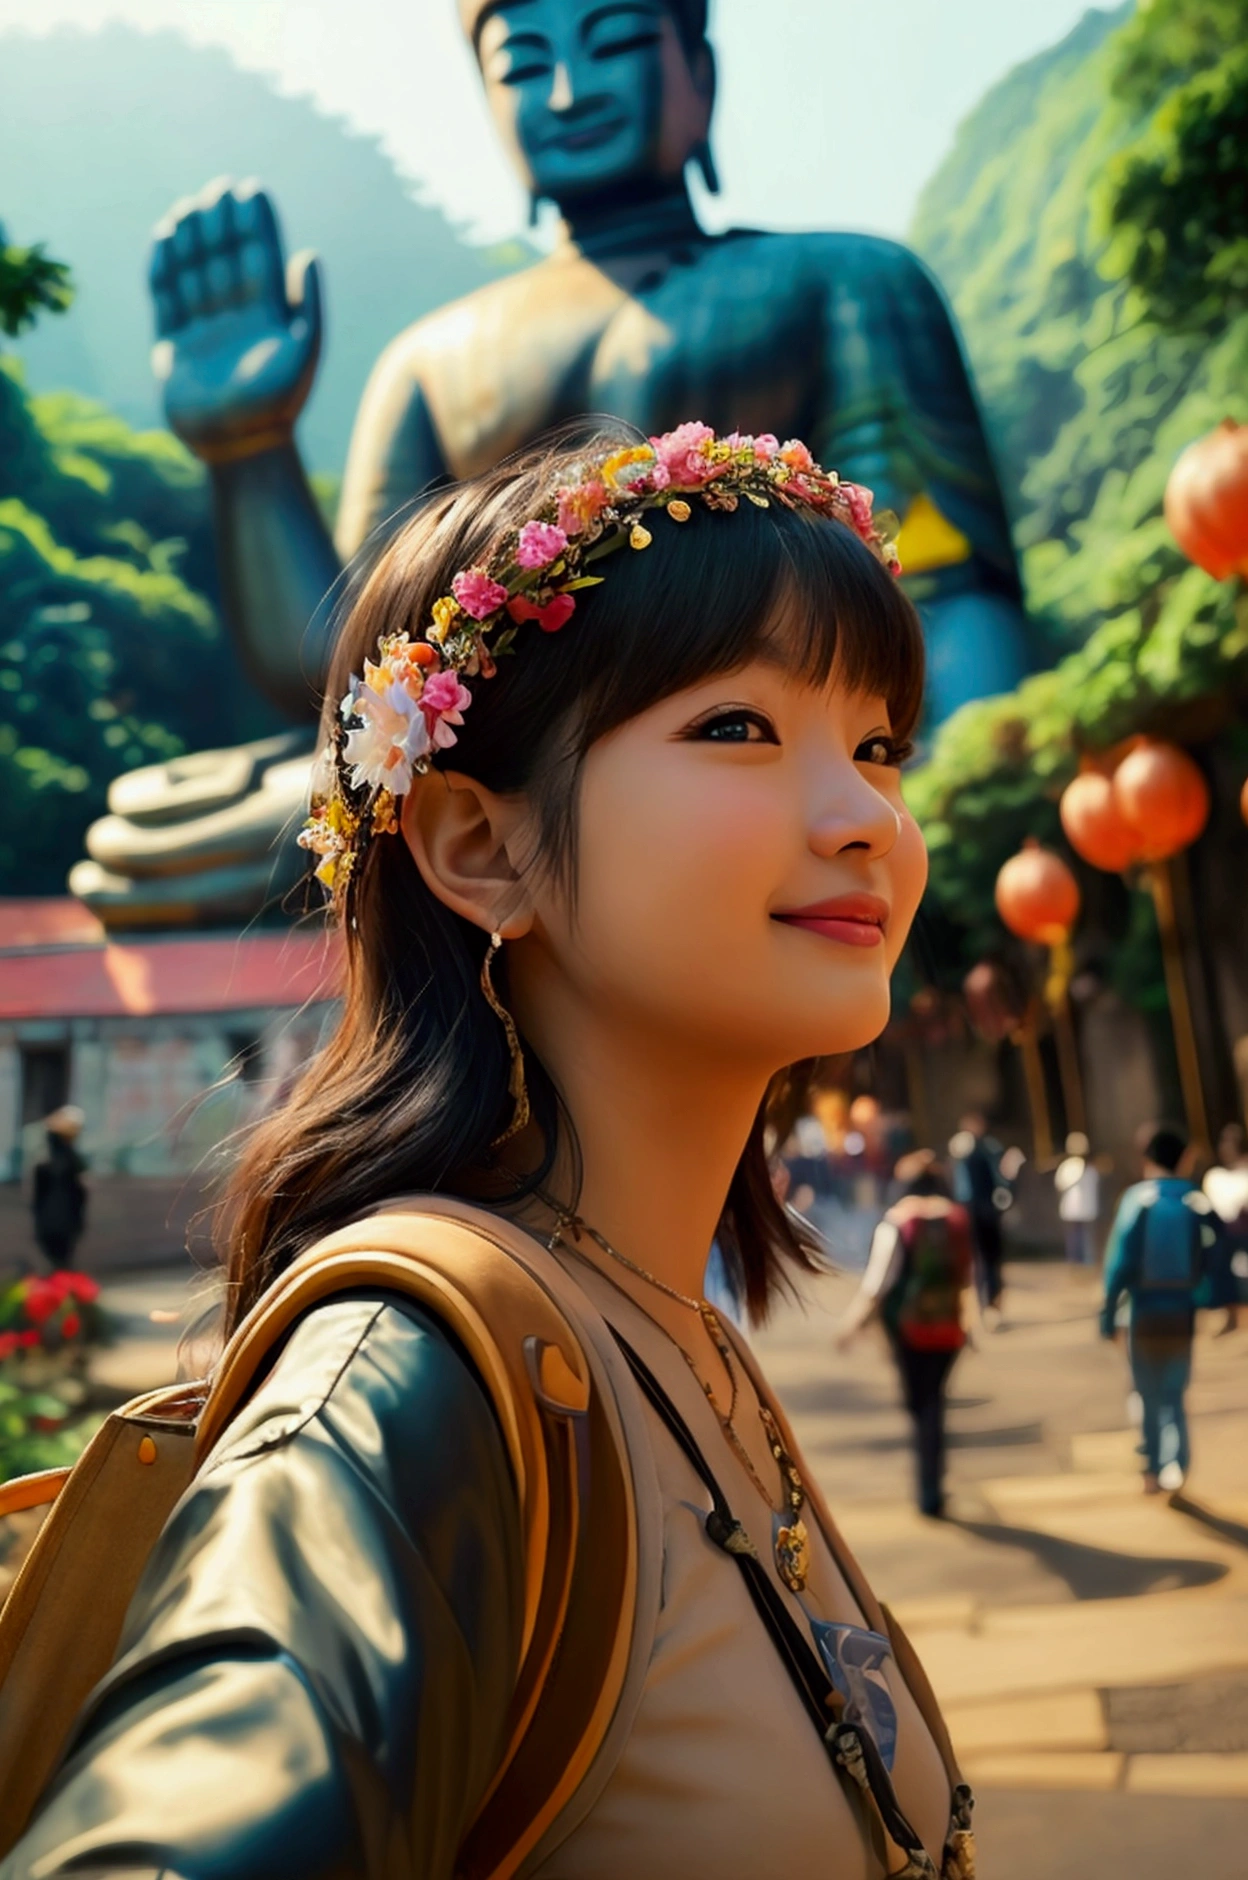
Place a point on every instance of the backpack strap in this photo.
(556, 1404)
(878, 1616)
(62, 1619)
(571, 1467)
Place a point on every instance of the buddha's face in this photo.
(591, 94)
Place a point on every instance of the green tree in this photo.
(1092, 400)
(111, 652)
(30, 283)
(1176, 199)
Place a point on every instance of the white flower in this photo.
(392, 738)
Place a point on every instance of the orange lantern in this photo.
(1163, 797)
(1207, 501)
(1094, 825)
(1037, 896)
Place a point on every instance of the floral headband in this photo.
(393, 721)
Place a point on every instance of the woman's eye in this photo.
(881, 749)
(735, 726)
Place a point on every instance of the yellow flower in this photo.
(679, 510)
(444, 613)
(326, 871)
(622, 460)
(639, 537)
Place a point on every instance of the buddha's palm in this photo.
(238, 335)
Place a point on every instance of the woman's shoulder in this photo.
(370, 1352)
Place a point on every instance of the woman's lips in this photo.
(857, 920)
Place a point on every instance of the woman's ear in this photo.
(460, 834)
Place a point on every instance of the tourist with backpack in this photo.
(919, 1282)
(487, 1548)
(1165, 1258)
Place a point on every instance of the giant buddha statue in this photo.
(841, 339)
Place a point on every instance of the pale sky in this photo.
(832, 113)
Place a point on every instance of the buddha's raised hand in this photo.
(238, 335)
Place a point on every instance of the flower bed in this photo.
(47, 1328)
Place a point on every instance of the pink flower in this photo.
(681, 454)
(796, 455)
(555, 614)
(580, 504)
(859, 500)
(766, 446)
(540, 543)
(476, 593)
(444, 702)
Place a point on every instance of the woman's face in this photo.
(747, 873)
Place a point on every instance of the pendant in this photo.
(792, 1548)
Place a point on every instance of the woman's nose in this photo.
(854, 815)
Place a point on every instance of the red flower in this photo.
(82, 1287)
(71, 1325)
(28, 1340)
(41, 1299)
(555, 614)
(9, 1343)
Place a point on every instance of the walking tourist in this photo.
(1163, 1259)
(510, 1561)
(919, 1281)
(1226, 1185)
(59, 1203)
(1078, 1183)
(983, 1179)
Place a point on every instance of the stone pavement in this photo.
(1089, 1644)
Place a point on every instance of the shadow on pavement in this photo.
(1233, 1531)
(1097, 1572)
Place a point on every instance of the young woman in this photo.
(611, 811)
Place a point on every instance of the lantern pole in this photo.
(1027, 1039)
(1161, 881)
(1057, 998)
(916, 1088)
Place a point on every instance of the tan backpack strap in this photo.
(911, 1667)
(60, 1624)
(573, 1481)
(878, 1616)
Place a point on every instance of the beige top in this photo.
(722, 1771)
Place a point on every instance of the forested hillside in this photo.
(111, 654)
(1092, 388)
(101, 132)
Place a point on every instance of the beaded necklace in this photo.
(790, 1540)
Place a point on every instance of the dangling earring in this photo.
(516, 1085)
(701, 155)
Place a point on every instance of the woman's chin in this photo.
(848, 1026)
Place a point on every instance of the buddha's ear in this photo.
(704, 75)
(462, 838)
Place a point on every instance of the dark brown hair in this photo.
(411, 1088)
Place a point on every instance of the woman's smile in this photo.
(856, 920)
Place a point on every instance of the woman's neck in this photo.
(660, 1131)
